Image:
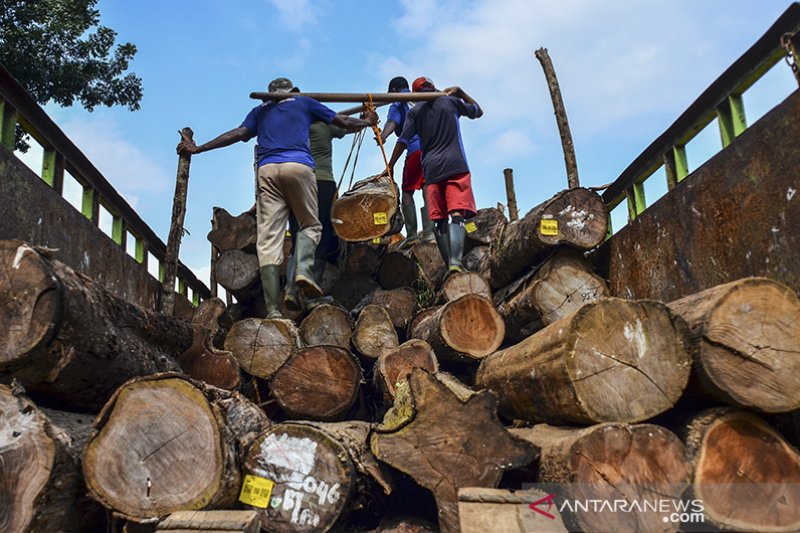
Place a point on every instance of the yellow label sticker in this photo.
(549, 227)
(470, 227)
(288, 234)
(380, 218)
(376, 240)
(256, 491)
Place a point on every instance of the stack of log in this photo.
(417, 401)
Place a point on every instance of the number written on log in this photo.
(589, 296)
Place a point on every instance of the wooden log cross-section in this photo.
(367, 211)
(611, 361)
(232, 233)
(202, 360)
(238, 272)
(400, 303)
(327, 324)
(396, 365)
(374, 332)
(262, 346)
(70, 338)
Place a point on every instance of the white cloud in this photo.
(295, 14)
(510, 143)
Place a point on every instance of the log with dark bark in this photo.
(396, 365)
(746, 343)
(204, 362)
(232, 233)
(446, 439)
(367, 211)
(327, 324)
(430, 263)
(746, 475)
(398, 269)
(238, 272)
(69, 338)
(317, 473)
(374, 332)
(483, 228)
(641, 463)
(459, 284)
(611, 361)
(400, 303)
(317, 383)
(350, 289)
(561, 285)
(41, 485)
(363, 258)
(262, 346)
(166, 443)
(477, 260)
(576, 217)
(413, 324)
(466, 329)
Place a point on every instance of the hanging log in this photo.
(560, 286)
(262, 346)
(40, 475)
(368, 210)
(317, 472)
(232, 233)
(68, 337)
(576, 217)
(446, 440)
(611, 361)
(477, 260)
(317, 383)
(466, 329)
(746, 343)
(327, 324)
(374, 332)
(166, 443)
(744, 472)
(396, 365)
(238, 272)
(640, 463)
(460, 284)
(485, 226)
(401, 304)
(350, 289)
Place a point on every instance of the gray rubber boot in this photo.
(304, 273)
(291, 299)
(457, 235)
(319, 271)
(428, 233)
(271, 285)
(443, 242)
(410, 217)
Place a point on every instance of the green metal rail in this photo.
(721, 101)
(60, 154)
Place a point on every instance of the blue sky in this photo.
(627, 69)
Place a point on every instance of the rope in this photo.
(370, 107)
(356, 140)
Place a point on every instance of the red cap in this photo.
(421, 83)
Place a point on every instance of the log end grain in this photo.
(365, 215)
(457, 285)
(262, 346)
(327, 324)
(374, 332)
(396, 365)
(470, 325)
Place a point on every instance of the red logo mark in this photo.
(549, 501)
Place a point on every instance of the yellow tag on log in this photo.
(288, 234)
(470, 227)
(380, 218)
(376, 240)
(549, 227)
(256, 491)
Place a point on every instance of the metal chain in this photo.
(791, 54)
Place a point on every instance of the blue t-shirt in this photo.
(397, 113)
(282, 129)
(436, 123)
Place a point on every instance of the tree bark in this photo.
(465, 329)
(477, 260)
(485, 226)
(741, 467)
(446, 440)
(202, 361)
(396, 365)
(401, 304)
(513, 213)
(238, 272)
(374, 332)
(69, 338)
(430, 263)
(559, 287)
(611, 361)
(398, 269)
(232, 233)
(482, 510)
(317, 383)
(367, 211)
(463, 283)
(576, 217)
(350, 289)
(166, 443)
(363, 259)
(412, 332)
(262, 346)
(327, 324)
(746, 343)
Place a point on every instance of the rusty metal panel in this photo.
(738, 215)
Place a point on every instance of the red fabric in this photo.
(452, 194)
(421, 83)
(413, 178)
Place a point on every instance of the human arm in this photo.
(390, 128)
(472, 109)
(226, 139)
(399, 148)
(352, 124)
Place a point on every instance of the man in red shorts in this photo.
(447, 176)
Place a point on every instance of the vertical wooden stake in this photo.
(176, 227)
(561, 117)
(513, 214)
(213, 277)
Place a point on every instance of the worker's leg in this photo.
(460, 204)
(438, 213)
(328, 247)
(291, 298)
(428, 233)
(413, 180)
(409, 215)
(271, 217)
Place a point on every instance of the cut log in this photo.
(41, 486)
(481, 510)
(363, 259)
(401, 304)
(477, 260)
(576, 217)
(466, 329)
(460, 284)
(316, 472)
(69, 338)
(238, 272)
(350, 289)
(404, 525)
(262, 346)
(204, 362)
(560, 286)
(327, 324)
(413, 324)
(396, 365)
(211, 522)
(611, 361)
(485, 226)
(165, 443)
(430, 263)
(317, 383)
(374, 332)
(232, 233)
(446, 442)
(398, 269)
(744, 472)
(367, 211)
(640, 463)
(746, 343)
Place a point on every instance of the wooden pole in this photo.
(360, 108)
(513, 214)
(176, 228)
(353, 97)
(213, 279)
(561, 117)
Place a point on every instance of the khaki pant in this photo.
(284, 187)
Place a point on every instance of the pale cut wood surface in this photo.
(374, 332)
(262, 346)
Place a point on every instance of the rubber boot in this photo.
(304, 267)
(271, 285)
(443, 242)
(457, 234)
(428, 234)
(319, 271)
(291, 299)
(410, 217)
